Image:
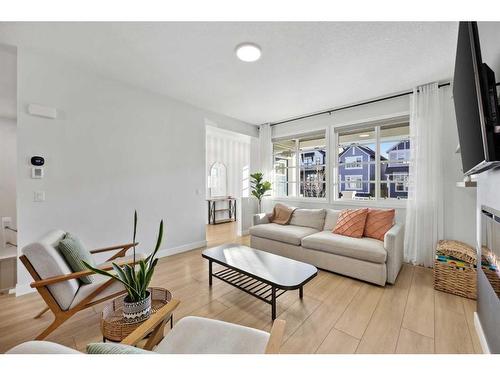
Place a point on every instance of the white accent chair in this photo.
(59, 286)
(191, 335)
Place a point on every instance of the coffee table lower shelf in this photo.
(266, 292)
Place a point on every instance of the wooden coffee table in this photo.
(261, 274)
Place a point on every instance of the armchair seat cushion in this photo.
(195, 335)
(291, 234)
(363, 248)
(48, 262)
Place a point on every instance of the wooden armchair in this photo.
(58, 285)
(191, 335)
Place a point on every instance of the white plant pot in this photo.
(135, 312)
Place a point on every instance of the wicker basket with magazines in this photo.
(455, 269)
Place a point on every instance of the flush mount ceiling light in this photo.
(364, 135)
(248, 52)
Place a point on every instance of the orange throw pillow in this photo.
(351, 223)
(378, 222)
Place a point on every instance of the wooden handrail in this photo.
(149, 325)
(70, 276)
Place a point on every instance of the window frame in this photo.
(366, 126)
(321, 133)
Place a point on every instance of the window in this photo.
(400, 182)
(373, 162)
(300, 166)
(353, 162)
(354, 182)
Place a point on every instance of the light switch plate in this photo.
(39, 196)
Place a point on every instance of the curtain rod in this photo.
(329, 111)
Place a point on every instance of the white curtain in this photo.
(266, 151)
(424, 215)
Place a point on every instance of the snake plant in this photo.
(135, 279)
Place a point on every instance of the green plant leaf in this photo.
(149, 259)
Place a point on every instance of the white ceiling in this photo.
(305, 67)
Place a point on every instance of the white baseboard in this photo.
(22, 289)
(480, 334)
(180, 249)
(243, 233)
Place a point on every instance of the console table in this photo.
(215, 206)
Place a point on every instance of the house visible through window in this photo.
(300, 166)
(373, 162)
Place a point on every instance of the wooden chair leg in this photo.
(45, 309)
(47, 331)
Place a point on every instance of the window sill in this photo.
(300, 199)
(389, 203)
(396, 203)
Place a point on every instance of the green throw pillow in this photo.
(111, 348)
(74, 252)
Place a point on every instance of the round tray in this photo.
(114, 328)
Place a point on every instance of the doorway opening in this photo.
(227, 182)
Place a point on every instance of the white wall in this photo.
(113, 149)
(459, 202)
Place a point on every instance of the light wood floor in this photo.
(337, 314)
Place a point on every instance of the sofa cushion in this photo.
(291, 234)
(351, 223)
(311, 218)
(48, 262)
(281, 214)
(364, 248)
(331, 218)
(378, 222)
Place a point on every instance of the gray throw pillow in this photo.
(112, 348)
(75, 253)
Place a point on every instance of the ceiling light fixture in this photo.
(364, 135)
(248, 52)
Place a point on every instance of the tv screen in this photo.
(467, 97)
(476, 104)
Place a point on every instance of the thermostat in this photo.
(37, 172)
(37, 161)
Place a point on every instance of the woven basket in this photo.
(113, 325)
(457, 278)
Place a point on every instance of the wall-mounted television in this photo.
(476, 104)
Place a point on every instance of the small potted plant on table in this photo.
(136, 279)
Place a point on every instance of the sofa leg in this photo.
(301, 292)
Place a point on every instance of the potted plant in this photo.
(136, 279)
(259, 187)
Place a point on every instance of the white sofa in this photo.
(309, 238)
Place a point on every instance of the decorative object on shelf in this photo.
(213, 210)
(455, 269)
(259, 187)
(218, 180)
(113, 325)
(137, 302)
